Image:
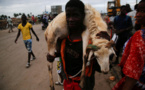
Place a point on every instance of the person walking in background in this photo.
(132, 14)
(128, 9)
(113, 15)
(33, 19)
(25, 28)
(123, 27)
(10, 24)
(44, 21)
(133, 59)
(58, 59)
(111, 23)
(59, 71)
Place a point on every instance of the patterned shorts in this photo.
(28, 44)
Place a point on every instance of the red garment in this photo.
(133, 58)
(33, 18)
(71, 85)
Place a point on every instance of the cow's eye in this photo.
(111, 56)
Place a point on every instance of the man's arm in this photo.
(34, 34)
(124, 30)
(129, 83)
(17, 35)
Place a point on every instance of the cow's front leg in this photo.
(50, 60)
(85, 38)
(50, 67)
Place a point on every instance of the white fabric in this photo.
(132, 14)
(112, 18)
(115, 38)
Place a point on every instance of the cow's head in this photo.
(102, 54)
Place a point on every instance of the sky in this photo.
(35, 7)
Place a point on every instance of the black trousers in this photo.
(119, 45)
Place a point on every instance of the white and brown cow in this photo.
(95, 25)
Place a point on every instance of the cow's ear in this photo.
(103, 34)
(110, 44)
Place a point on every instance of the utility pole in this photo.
(45, 8)
(136, 1)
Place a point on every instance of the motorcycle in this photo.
(44, 26)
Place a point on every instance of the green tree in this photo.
(20, 14)
(2, 16)
(5, 16)
(15, 15)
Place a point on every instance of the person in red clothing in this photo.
(33, 19)
(133, 59)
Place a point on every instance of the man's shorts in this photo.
(28, 44)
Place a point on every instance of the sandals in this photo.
(33, 58)
(58, 83)
(28, 65)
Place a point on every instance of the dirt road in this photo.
(13, 58)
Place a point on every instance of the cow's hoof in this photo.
(81, 86)
(52, 88)
(82, 82)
